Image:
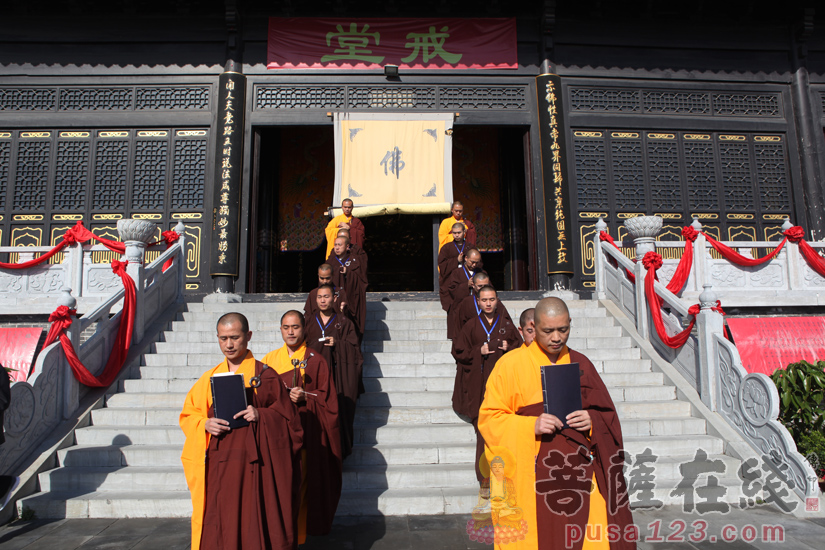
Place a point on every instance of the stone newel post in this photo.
(71, 387)
(708, 323)
(643, 231)
(135, 234)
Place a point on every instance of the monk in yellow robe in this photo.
(243, 480)
(345, 220)
(456, 216)
(592, 513)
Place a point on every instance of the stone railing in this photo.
(749, 402)
(34, 290)
(52, 395)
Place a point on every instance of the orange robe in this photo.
(197, 408)
(514, 384)
(444, 231)
(356, 231)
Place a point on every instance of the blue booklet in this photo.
(561, 387)
(229, 397)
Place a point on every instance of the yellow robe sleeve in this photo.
(332, 231)
(444, 234)
(506, 432)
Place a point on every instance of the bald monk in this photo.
(355, 249)
(250, 500)
(527, 326)
(349, 273)
(456, 216)
(332, 335)
(307, 377)
(347, 221)
(450, 258)
(512, 417)
(469, 309)
(478, 346)
(460, 283)
(339, 296)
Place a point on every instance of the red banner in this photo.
(17, 347)
(770, 343)
(310, 43)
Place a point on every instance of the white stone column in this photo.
(135, 234)
(71, 387)
(598, 260)
(708, 323)
(643, 230)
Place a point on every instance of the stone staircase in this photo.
(413, 455)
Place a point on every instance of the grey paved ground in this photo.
(422, 532)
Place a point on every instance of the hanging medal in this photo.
(323, 327)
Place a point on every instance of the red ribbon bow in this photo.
(689, 233)
(118, 267)
(605, 237)
(795, 234)
(652, 259)
(170, 237)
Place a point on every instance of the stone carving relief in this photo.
(725, 275)
(768, 276)
(10, 283)
(812, 278)
(102, 279)
(47, 281)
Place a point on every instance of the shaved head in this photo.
(551, 307)
(457, 203)
(325, 268)
(343, 233)
(481, 279)
(232, 318)
(473, 254)
(458, 225)
(527, 316)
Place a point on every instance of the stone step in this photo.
(674, 445)
(210, 337)
(642, 393)
(435, 383)
(375, 370)
(406, 399)
(87, 456)
(653, 409)
(405, 415)
(131, 478)
(408, 502)
(109, 504)
(146, 400)
(432, 434)
(431, 476)
(134, 416)
(622, 366)
(158, 385)
(655, 427)
(130, 435)
(414, 453)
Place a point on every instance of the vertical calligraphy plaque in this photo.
(228, 163)
(554, 175)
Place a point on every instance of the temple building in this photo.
(223, 115)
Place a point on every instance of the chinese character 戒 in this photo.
(432, 44)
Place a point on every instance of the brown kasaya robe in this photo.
(359, 252)
(473, 369)
(338, 295)
(322, 441)
(254, 475)
(346, 364)
(467, 310)
(604, 445)
(457, 290)
(354, 283)
(447, 263)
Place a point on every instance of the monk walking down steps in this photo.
(243, 480)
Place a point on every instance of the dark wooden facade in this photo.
(109, 110)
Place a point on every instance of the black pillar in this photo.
(226, 204)
(555, 181)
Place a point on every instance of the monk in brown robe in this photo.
(311, 389)
(348, 273)
(332, 335)
(476, 349)
(569, 479)
(469, 309)
(460, 284)
(450, 258)
(527, 326)
(355, 249)
(339, 296)
(244, 481)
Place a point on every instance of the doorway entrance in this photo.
(292, 186)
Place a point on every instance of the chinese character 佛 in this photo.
(392, 162)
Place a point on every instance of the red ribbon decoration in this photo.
(797, 234)
(680, 276)
(604, 236)
(734, 257)
(169, 237)
(61, 320)
(653, 261)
